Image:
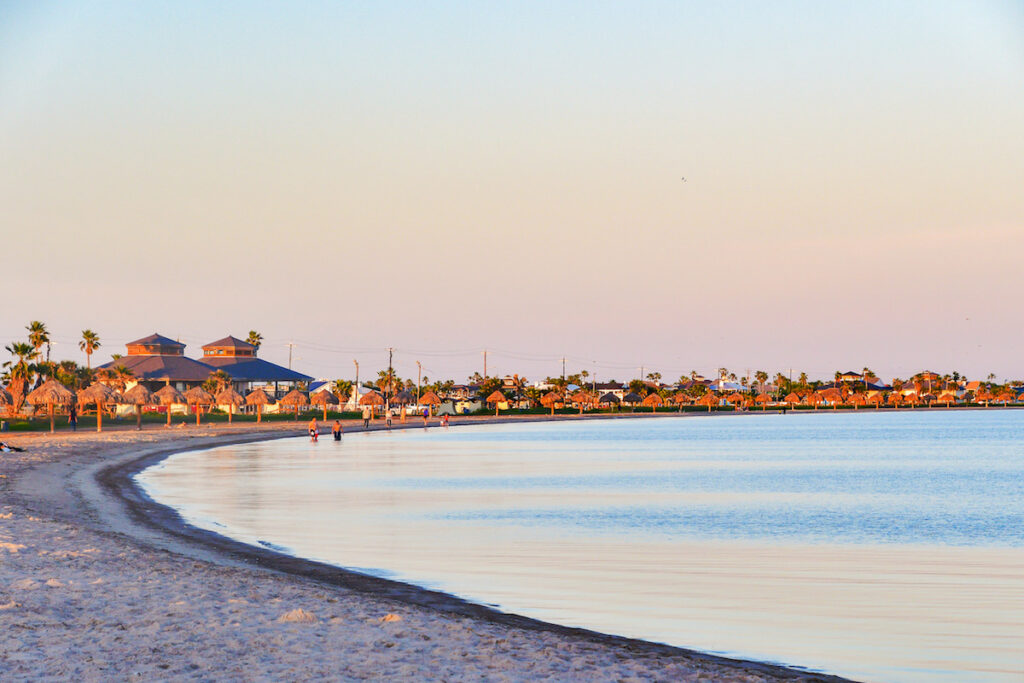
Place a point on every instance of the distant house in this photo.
(157, 360)
(851, 376)
(238, 359)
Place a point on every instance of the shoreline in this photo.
(96, 491)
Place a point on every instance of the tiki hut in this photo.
(609, 399)
(168, 396)
(735, 398)
(51, 392)
(876, 400)
(324, 397)
(549, 400)
(138, 396)
(497, 398)
(858, 400)
(653, 401)
(709, 399)
(258, 398)
(762, 399)
(583, 398)
(403, 398)
(430, 399)
(230, 398)
(197, 396)
(295, 398)
(793, 399)
(632, 399)
(100, 394)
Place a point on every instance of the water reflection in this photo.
(883, 547)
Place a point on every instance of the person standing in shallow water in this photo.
(314, 430)
(366, 417)
(337, 430)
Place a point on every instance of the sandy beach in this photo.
(98, 584)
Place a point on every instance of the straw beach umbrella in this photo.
(372, 399)
(100, 394)
(549, 400)
(653, 401)
(168, 396)
(709, 399)
(198, 396)
(582, 398)
(324, 397)
(295, 398)
(230, 398)
(680, 399)
(610, 399)
(430, 399)
(632, 399)
(496, 398)
(258, 398)
(51, 392)
(138, 396)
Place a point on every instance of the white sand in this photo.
(86, 595)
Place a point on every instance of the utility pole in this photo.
(389, 387)
(355, 394)
(485, 364)
(594, 378)
(563, 368)
(419, 378)
(290, 347)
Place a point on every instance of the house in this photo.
(238, 359)
(155, 361)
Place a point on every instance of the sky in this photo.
(447, 177)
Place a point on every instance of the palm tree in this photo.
(217, 382)
(39, 336)
(120, 376)
(90, 342)
(341, 388)
(20, 372)
(761, 376)
(255, 338)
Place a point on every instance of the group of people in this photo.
(337, 429)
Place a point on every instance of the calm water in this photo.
(885, 547)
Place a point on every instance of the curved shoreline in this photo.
(107, 487)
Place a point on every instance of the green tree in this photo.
(39, 337)
(637, 386)
(255, 338)
(90, 342)
(19, 372)
(218, 381)
(342, 389)
(762, 378)
(654, 377)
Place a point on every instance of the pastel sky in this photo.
(445, 177)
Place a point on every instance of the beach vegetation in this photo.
(90, 342)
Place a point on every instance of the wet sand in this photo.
(99, 583)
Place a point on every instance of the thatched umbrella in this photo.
(258, 398)
(230, 398)
(295, 398)
(324, 397)
(138, 396)
(198, 396)
(709, 399)
(680, 398)
(403, 398)
(583, 398)
(610, 399)
(168, 396)
(653, 401)
(632, 399)
(858, 400)
(100, 394)
(496, 398)
(549, 400)
(50, 392)
(429, 398)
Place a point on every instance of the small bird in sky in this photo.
(684, 180)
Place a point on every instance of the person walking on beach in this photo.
(337, 430)
(426, 414)
(387, 416)
(444, 420)
(366, 417)
(73, 418)
(314, 430)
